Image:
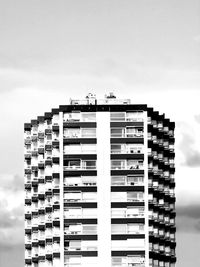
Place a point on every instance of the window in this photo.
(134, 164)
(88, 180)
(72, 149)
(89, 196)
(117, 164)
(89, 245)
(135, 228)
(88, 132)
(135, 196)
(74, 116)
(135, 260)
(117, 116)
(89, 164)
(134, 148)
(135, 212)
(118, 228)
(88, 116)
(118, 213)
(72, 181)
(134, 116)
(89, 148)
(89, 213)
(118, 180)
(135, 180)
(73, 164)
(72, 196)
(117, 132)
(89, 229)
(118, 148)
(75, 244)
(119, 196)
(73, 229)
(73, 260)
(71, 132)
(73, 213)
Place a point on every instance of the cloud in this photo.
(11, 210)
(190, 211)
(197, 38)
(11, 218)
(197, 118)
(191, 154)
(188, 219)
(12, 182)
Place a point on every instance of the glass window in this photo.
(88, 132)
(73, 213)
(135, 196)
(89, 148)
(72, 181)
(117, 116)
(72, 149)
(89, 196)
(89, 164)
(73, 260)
(118, 228)
(73, 116)
(119, 196)
(75, 244)
(117, 132)
(118, 180)
(89, 213)
(72, 196)
(135, 211)
(135, 180)
(118, 213)
(88, 116)
(89, 229)
(71, 132)
(89, 180)
(118, 148)
(117, 164)
(73, 164)
(134, 116)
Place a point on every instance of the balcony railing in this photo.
(79, 167)
(126, 151)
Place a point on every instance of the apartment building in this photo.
(99, 186)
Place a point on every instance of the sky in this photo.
(145, 50)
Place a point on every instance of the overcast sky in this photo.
(146, 50)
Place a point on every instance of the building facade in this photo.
(99, 186)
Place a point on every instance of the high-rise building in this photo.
(99, 186)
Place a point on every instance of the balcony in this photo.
(80, 181)
(126, 245)
(80, 149)
(127, 165)
(129, 212)
(127, 180)
(125, 133)
(80, 117)
(80, 133)
(127, 229)
(79, 213)
(77, 245)
(125, 149)
(80, 165)
(127, 196)
(80, 196)
(78, 229)
(136, 116)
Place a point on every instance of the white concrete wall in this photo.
(103, 189)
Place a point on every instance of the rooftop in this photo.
(109, 99)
